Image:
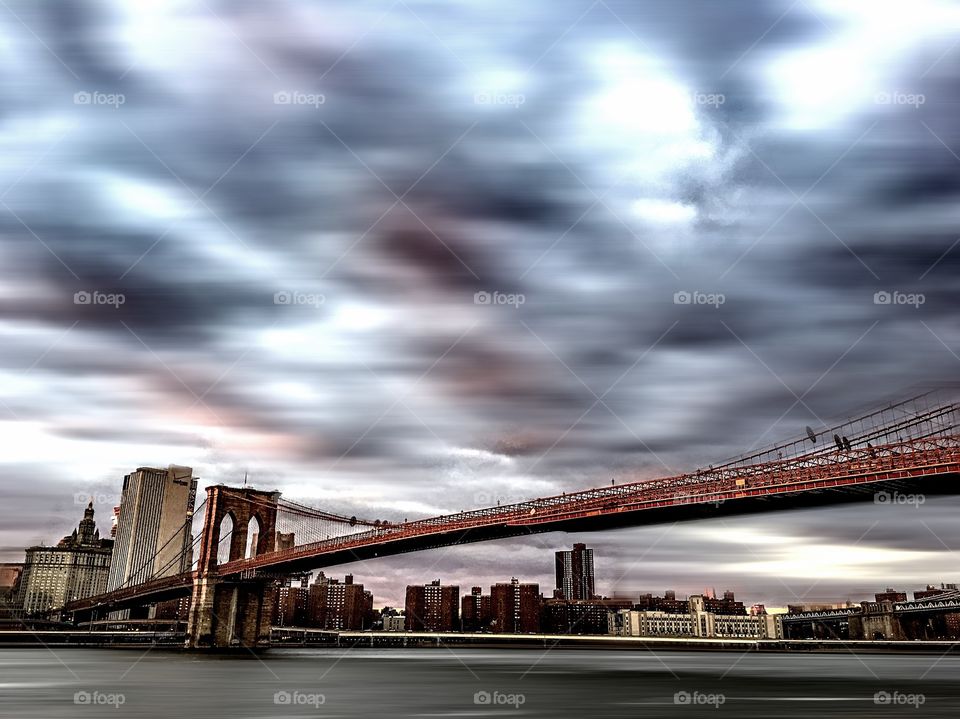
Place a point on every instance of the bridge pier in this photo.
(225, 614)
(233, 611)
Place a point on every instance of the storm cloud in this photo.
(403, 258)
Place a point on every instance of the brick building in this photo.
(575, 576)
(336, 605)
(291, 604)
(561, 616)
(515, 608)
(475, 611)
(432, 608)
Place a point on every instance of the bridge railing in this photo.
(927, 414)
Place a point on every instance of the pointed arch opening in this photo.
(254, 529)
(225, 538)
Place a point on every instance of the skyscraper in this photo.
(76, 568)
(153, 537)
(575, 573)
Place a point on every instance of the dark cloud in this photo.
(285, 316)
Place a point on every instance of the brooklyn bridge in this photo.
(251, 538)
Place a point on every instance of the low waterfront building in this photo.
(561, 616)
(698, 622)
(10, 573)
(649, 623)
(394, 622)
(9, 579)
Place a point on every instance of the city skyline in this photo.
(774, 248)
(820, 534)
(621, 328)
(465, 579)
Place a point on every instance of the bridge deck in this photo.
(906, 460)
(827, 470)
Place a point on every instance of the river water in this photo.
(455, 682)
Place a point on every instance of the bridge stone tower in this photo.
(233, 611)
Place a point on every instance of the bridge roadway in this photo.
(929, 465)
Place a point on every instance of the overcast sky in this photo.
(297, 204)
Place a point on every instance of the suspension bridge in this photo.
(250, 539)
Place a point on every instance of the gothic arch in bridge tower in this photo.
(250, 511)
(254, 533)
(224, 533)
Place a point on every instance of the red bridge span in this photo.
(909, 447)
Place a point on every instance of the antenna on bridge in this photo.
(811, 434)
(244, 479)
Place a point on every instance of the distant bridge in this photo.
(886, 455)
